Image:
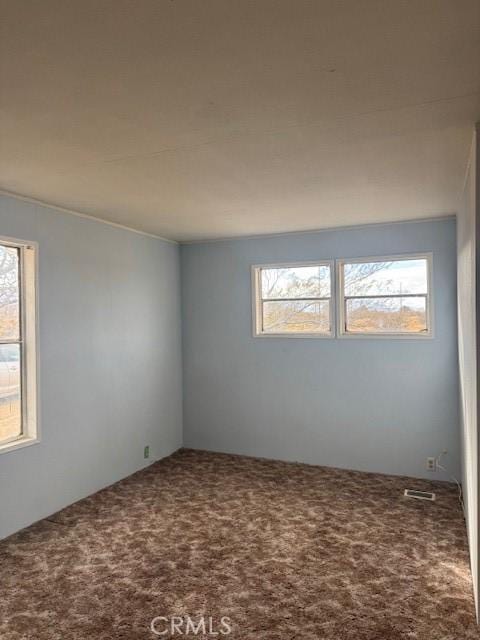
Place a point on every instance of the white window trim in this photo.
(29, 344)
(257, 303)
(340, 294)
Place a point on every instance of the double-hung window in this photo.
(385, 296)
(293, 299)
(377, 297)
(18, 412)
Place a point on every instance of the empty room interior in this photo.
(239, 319)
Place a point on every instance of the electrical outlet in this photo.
(146, 452)
(431, 464)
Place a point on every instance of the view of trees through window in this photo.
(296, 299)
(380, 296)
(386, 297)
(10, 388)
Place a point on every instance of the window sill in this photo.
(387, 336)
(19, 443)
(294, 335)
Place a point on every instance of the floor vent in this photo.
(419, 495)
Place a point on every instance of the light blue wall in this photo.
(370, 404)
(110, 360)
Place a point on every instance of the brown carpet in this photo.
(284, 550)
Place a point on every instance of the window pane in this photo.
(385, 278)
(10, 414)
(296, 282)
(296, 316)
(386, 315)
(9, 294)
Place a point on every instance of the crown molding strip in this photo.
(266, 236)
(79, 214)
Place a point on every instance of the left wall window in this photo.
(18, 410)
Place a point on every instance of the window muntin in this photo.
(293, 299)
(17, 345)
(385, 296)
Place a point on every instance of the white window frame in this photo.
(257, 302)
(28, 270)
(341, 298)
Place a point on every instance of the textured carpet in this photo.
(283, 550)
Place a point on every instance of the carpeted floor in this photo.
(285, 551)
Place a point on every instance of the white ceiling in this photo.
(201, 119)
